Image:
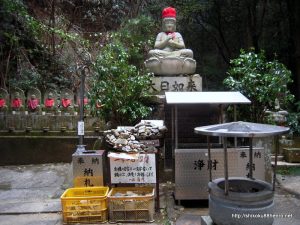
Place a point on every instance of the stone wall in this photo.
(34, 139)
(38, 147)
(51, 122)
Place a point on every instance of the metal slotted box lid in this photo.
(241, 129)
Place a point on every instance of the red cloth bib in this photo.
(49, 102)
(17, 103)
(171, 33)
(2, 102)
(85, 101)
(33, 103)
(66, 102)
(98, 104)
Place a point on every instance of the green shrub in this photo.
(120, 81)
(261, 81)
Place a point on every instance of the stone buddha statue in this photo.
(169, 56)
(17, 102)
(50, 101)
(3, 104)
(67, 103)
(33, 103)
(50, 105)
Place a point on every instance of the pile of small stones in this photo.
(127, 138)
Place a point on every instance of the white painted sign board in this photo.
(139, 169)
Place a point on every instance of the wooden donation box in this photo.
(88, 168)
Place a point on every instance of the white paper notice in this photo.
(133, 170)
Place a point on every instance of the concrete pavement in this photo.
(30, 195)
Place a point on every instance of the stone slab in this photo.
(86, 166)
(32, 219)
(206, 220)
(176, 83)
(189, 219)
(41, 206)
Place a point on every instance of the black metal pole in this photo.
(81, 106)
(276, 159)
(209, 158)
(251, 158)
(226, 189)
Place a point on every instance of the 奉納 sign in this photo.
(88, 168)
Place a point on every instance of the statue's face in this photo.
(169, 24)
(33, 96)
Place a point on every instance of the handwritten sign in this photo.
(136, 170)
(80, 128)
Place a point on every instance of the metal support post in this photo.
(81, 106)
(209, 158)
(234, 119)
(176, 127)
(251, 158)
(225, 166)
(276, 158)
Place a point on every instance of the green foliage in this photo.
(294, 171)
(293, 119)
(120, 82)
(120, 87)
(137, 35)
(34, 26)
(30, 78)
(28, 57)
(261, 81)
(293, 122)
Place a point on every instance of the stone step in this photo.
(27, 207)
(283, 164)
(279, 158)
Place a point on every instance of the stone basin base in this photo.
(248, 202)
(171, 65)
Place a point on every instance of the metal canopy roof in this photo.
(241, 129)
(209, 97)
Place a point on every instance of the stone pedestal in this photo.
(171, 65)
(88, 168)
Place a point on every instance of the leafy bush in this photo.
(25, 56)
(120, 81)
(293, 119)
(137, 35)
(261, 81)
(119, 86)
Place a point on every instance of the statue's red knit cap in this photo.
(169, 12)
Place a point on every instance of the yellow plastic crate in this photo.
(124, 208)
(84, 205)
